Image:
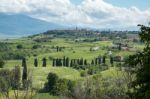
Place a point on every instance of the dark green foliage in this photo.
(19, 46)
(24, 62)
(83, 73)
(92, 63)
(36, 46)
(54, 62)
(35, 62)
(60, 87)
(44, 62)
(71, 63)
(140, 88)
(119, 46)
(24, 73)
(2, 63)
(99, 60)
(111, 61)
(67, 62)
(104, 59)
(50, 85)
(64, 61)
(85, 62)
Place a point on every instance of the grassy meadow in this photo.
(71, 49)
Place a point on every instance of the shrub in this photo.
(83, 73)
(36, 46)
(19, 46)
(1, 63)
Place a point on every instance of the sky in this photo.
(100, 14)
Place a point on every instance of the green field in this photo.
(71, 49)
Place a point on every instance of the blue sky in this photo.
(141, 4)
(114, 14)
(76, 2)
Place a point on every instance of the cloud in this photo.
(90, 13)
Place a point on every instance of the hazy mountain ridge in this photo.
(15, 25)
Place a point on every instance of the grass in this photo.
(40, 74)
(73, 50)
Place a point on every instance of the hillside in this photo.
(12, 25)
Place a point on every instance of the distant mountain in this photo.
(12, 25)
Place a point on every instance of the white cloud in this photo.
(92, 13)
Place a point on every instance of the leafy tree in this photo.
(60, 87)
(140, 87)
(35, 62)
(44, 62)
(2, 63)
(15, 80)
(15, 77)
(5, 82)
(50, 85)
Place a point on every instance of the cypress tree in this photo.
(60, 62)
(85, 62)
(99, 60)
(67, 62)
(92, 63)
(44, 62)
(54, 62)
(71, 63)
(24, 73)
(57, 62)
(81, 61)
(78, 61)
(104, 59)
(111, 61)
(23, 62)
(35, 62)
(64, 61)
(96, 61)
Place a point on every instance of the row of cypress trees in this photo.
(72, 62)
(69, 62)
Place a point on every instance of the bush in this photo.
(1, 63)
(19, 46)
(83, 73)
(36, 46)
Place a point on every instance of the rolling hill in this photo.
(14, 25)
